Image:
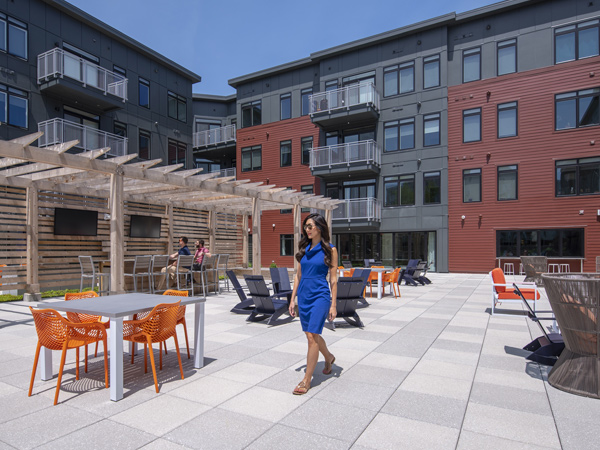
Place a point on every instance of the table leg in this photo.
(46, 364)
(379, 282)
(116, 358)
(199, 335)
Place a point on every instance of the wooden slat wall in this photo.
(59, 266)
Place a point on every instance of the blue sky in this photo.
(220, 40)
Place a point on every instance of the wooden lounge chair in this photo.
(246, 305)
(349, 293)
(267, 305)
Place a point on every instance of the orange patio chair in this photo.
(84, 318)
(503, 292)
(156, 327)
(392, 278)
(348, 273)
(373, 277)
(180, 316)
(57, 333)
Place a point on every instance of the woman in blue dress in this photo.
(316, 301)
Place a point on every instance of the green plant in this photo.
(10, 298)
(273, 265)
(249, 265)
(45, 294)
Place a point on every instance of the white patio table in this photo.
(380, 271)
(116, 307)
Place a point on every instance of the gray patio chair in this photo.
(182, 270)
(88, 271)
(158, 263)
(141, 269)
(223, 267)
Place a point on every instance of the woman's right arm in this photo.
(295, 290)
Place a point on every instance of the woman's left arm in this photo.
(333, 275)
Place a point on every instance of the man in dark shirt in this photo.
(172, 269)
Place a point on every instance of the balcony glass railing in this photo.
(214, 136)
(365, 152)
(230, 172)
(358, 208)
(59, 63)
(57, 131)
(346, 97)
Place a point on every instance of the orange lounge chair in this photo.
(504, 292)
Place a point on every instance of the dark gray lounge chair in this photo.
(267, 304)
(363, 274)
(421, 273)
(281, 282)
(349, 293)
(246, 305)
(408, 273)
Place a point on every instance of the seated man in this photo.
(172, 268)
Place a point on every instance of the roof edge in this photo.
(234, 82)
(217, 98)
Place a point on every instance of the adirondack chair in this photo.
(363, 274)
(267, 305)
(281, 282)
(349, 292)
(246, 305)
(408, 273)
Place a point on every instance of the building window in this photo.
(177, 106)
(578, 177)
(305, 94)
(507, 57)
(144, 92)
(507, 120)
(399, 190)
(399, 135)
(251, 114)
(472, 125)
(119, 70)
(285, 153)
(144, 144)
(252, 158)
(577, 109)
(432, 188)
(471, 64)
(508, 177)
(306, 144)
(177, 152)
(13, 36)
(431, 71)
(120, 129)
(471, 185)
(307, 189)
(286, 245)
(431, 129)
(399, 79)
(285, 101)
(566, 242)
(576, 41)
(14, 106)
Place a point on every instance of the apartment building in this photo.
(72, 76)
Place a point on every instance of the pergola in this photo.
(23, 165)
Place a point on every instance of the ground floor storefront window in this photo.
(563, 242)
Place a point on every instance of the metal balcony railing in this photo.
(358, 208)
(214, 136)
(59, 63)
(230, 172)
(366, 152)
(346, 97)
(57, 131)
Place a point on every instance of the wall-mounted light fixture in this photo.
(273, 226)
(463, 217)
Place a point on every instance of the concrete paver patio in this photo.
(429, 370)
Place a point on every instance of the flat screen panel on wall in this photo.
(75, 222)
(144, 227)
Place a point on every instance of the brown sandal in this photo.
(327, 371)
(301, 389)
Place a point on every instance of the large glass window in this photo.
(306, 189)
(252, 158)
(471, 185)
(177, 106)
(306, 144)
(144, 145)
(13, 36)
(578, 177)
(399, 79)
(286, 245)
(507, 57)
(508, 182)
(431, 71)
(577, 109)
(399, 190)
(305, 94)
(432, 188)
(399, 135)
(576, 41)
(472, 125)
(471, 64)
(251, 114)
(507, 119)
(177, 152)
(285, 102)
(563, 242)
(14, 106)
(431, 129)
(144, 92)
(285, 153)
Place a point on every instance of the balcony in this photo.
(358, 213)
(230, 172)
(215, 137)
(358, 103)
(57, 131)
(63, 74)
(360, 158)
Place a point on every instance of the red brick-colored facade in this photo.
(472, 241)
(269, 136)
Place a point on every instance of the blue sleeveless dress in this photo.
(314, 296)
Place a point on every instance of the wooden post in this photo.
(245, 241)
(328, 216)
(169, 247)
(33, 286)
(117, 251)
(256, 253)
(297, 232)
(212, 225)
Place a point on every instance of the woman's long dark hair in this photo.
(321, 224)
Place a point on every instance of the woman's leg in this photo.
(316, 344)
